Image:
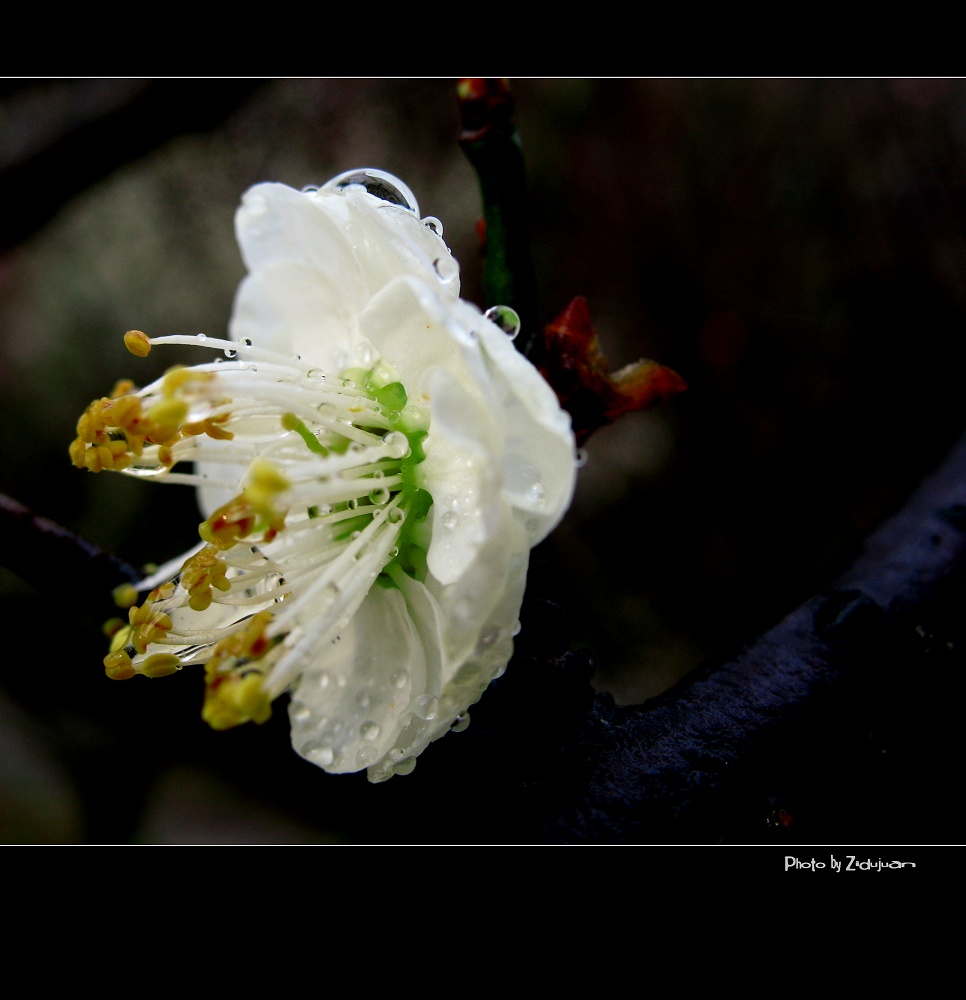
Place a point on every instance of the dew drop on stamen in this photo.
(247, 342)
(433, 224)
(396, 515)
(201, 337)
(397, 444)
(379, 495)
(230, 353)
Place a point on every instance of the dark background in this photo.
(794, 248)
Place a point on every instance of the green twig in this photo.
(490, 141)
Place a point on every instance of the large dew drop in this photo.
(378, 183)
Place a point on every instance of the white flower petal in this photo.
(375, 464)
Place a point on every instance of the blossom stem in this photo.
(490, 140)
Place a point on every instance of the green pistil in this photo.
(292, 423)
(412, 543)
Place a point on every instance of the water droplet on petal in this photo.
(461, 722)
(365, 756)
(323, 756)
(256, 204)
(446, 268)
(450, 519)
(406, 766)
(426, 706)
(202, 337)
(379, 183)
(370, 730)
(399, 678)
(432, 223)
(580, 459)
(506, 318)
(324, 680)
(536, 494)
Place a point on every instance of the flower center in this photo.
(323, 498)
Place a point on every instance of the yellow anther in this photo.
(118, 666)
(112, 626)
(122, 387)
(235, 700)
(149, 625)
(78, 449)
(234, 693)
(159, 665)
(228, 524)
(137, 343)
(168, 413)
(121, 637)
(202, 572)
(125, 595)
(125, 411)
(265, 482)
(178, 377)
(209, 426)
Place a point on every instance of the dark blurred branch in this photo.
(62, 136)
(58, 562)
(490, 141)
(841, 724)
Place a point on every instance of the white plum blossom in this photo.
(374, 460)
